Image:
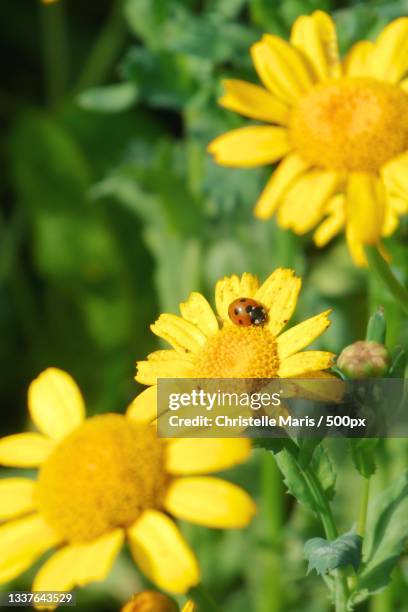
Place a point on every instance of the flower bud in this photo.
(150, 601)
(364, 359)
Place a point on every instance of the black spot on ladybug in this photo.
(247, 312)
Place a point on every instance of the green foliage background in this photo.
(113, 212)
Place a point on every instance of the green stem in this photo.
(106, 50)
(203, 599)
(383, 271)
(326, 516)
(55, 50)
(329, 526)
(272, 490)
(271, 592)
(383, 602)
(325, 513)
(362, 517)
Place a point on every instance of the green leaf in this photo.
(163, 79)
(325, 556)
(147, 19)
(227, 9)
(109, 99)
(307, 447)
(209, 38)
(273, 445)
(363, 455)
(376, 327)
(387, 531)
(296, 479)
(322, 465)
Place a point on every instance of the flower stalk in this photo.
(362, 517)
(382, 270)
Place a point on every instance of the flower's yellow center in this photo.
(238, 352)
(101, 476)
(351, 124)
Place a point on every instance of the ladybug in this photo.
(246, 311)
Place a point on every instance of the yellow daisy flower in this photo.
(339, 126)
(209, 346)
(152, 601)
(104, 479)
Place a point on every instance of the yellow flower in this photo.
(102, 480)
(339, 126)
(152, 601)
(207, 346)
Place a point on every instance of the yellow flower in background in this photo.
(209, 346)
(102, 480)
(152, 601)
(339, 127)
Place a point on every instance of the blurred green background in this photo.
(112, 211)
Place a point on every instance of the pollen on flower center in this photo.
(351, 124)
(238, 352)
(101, 476)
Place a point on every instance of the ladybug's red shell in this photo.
(246, 311)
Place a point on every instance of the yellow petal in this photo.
(162, 364)
(279, 294)
(210, 501)
(391, 221)
(320, 386)
(143, 409)
(97, 557)
(232, 287)
(162, 554)
(198, 312)
(24, 450)
(178, 332)
(365, 203)
(395, 176)
(302, 363)
(253, 101)
(189, 606)
(22, 542)
(13, 570)
(16, 497)
(398, 205)
(356, 249)
(205, 455)
(389, 59)
(357, 61)
(55, 403)
(281, 68)
(58, 572)
(79, 564)
(247, 147)
(300, 336)
(333, 222)
(281, 180)
(315, 35)
(304, 203)
(404, 85)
